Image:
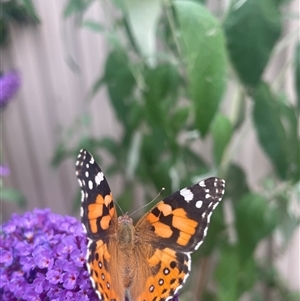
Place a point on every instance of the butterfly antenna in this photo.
(162, 189)
(119, 207)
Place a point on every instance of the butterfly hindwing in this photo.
(103, 267)
(169, 271)
(97, 206)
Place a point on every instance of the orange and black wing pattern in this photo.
(177, 226)
(99, 219)
(181, 220)
(98, 212)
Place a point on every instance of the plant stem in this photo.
(201, 281)
(269, 251)
(167, 6)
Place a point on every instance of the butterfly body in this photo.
(148, 261)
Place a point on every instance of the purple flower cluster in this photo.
(9, 85)
(42, 257)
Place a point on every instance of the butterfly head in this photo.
(125, 230)
(125, 219)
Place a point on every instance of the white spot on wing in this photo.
(99, 178)
(198, 245)
(202, 184)
(87, 174)
(207, 196)
(208, 217)
(199, 204)
(84, 230)
(216, 204)
(82, 196)
(90, 185)
(187, 194)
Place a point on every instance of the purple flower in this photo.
(41, 258)
(4, 169)
(9, 85)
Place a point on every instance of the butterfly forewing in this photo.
(183, 217)
(97, 210)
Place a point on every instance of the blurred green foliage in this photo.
(17, 11)
(168, 98)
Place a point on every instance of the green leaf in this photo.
(239, 109)
(252, 29)
(203, 50)
(236, 183)
(248, 276)
(13, 195)
(161, 82)
(96, 86)
(30, 9)
(289, 118)
(221, 132)
(153, 169)
(297, 74)
(269, 129)
(17, 12)
(60, 154)
(111, 146)
(3, 31)
(76, 6)
(193, 162)
(178, 120)
(153, 146)
(227, 274)
(90, 144)
(255, 219)
(288, 220)
(92, 25)
(120, 83)
(143, 17)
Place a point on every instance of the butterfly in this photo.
(149, 261)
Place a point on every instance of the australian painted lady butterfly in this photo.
(151, 260)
